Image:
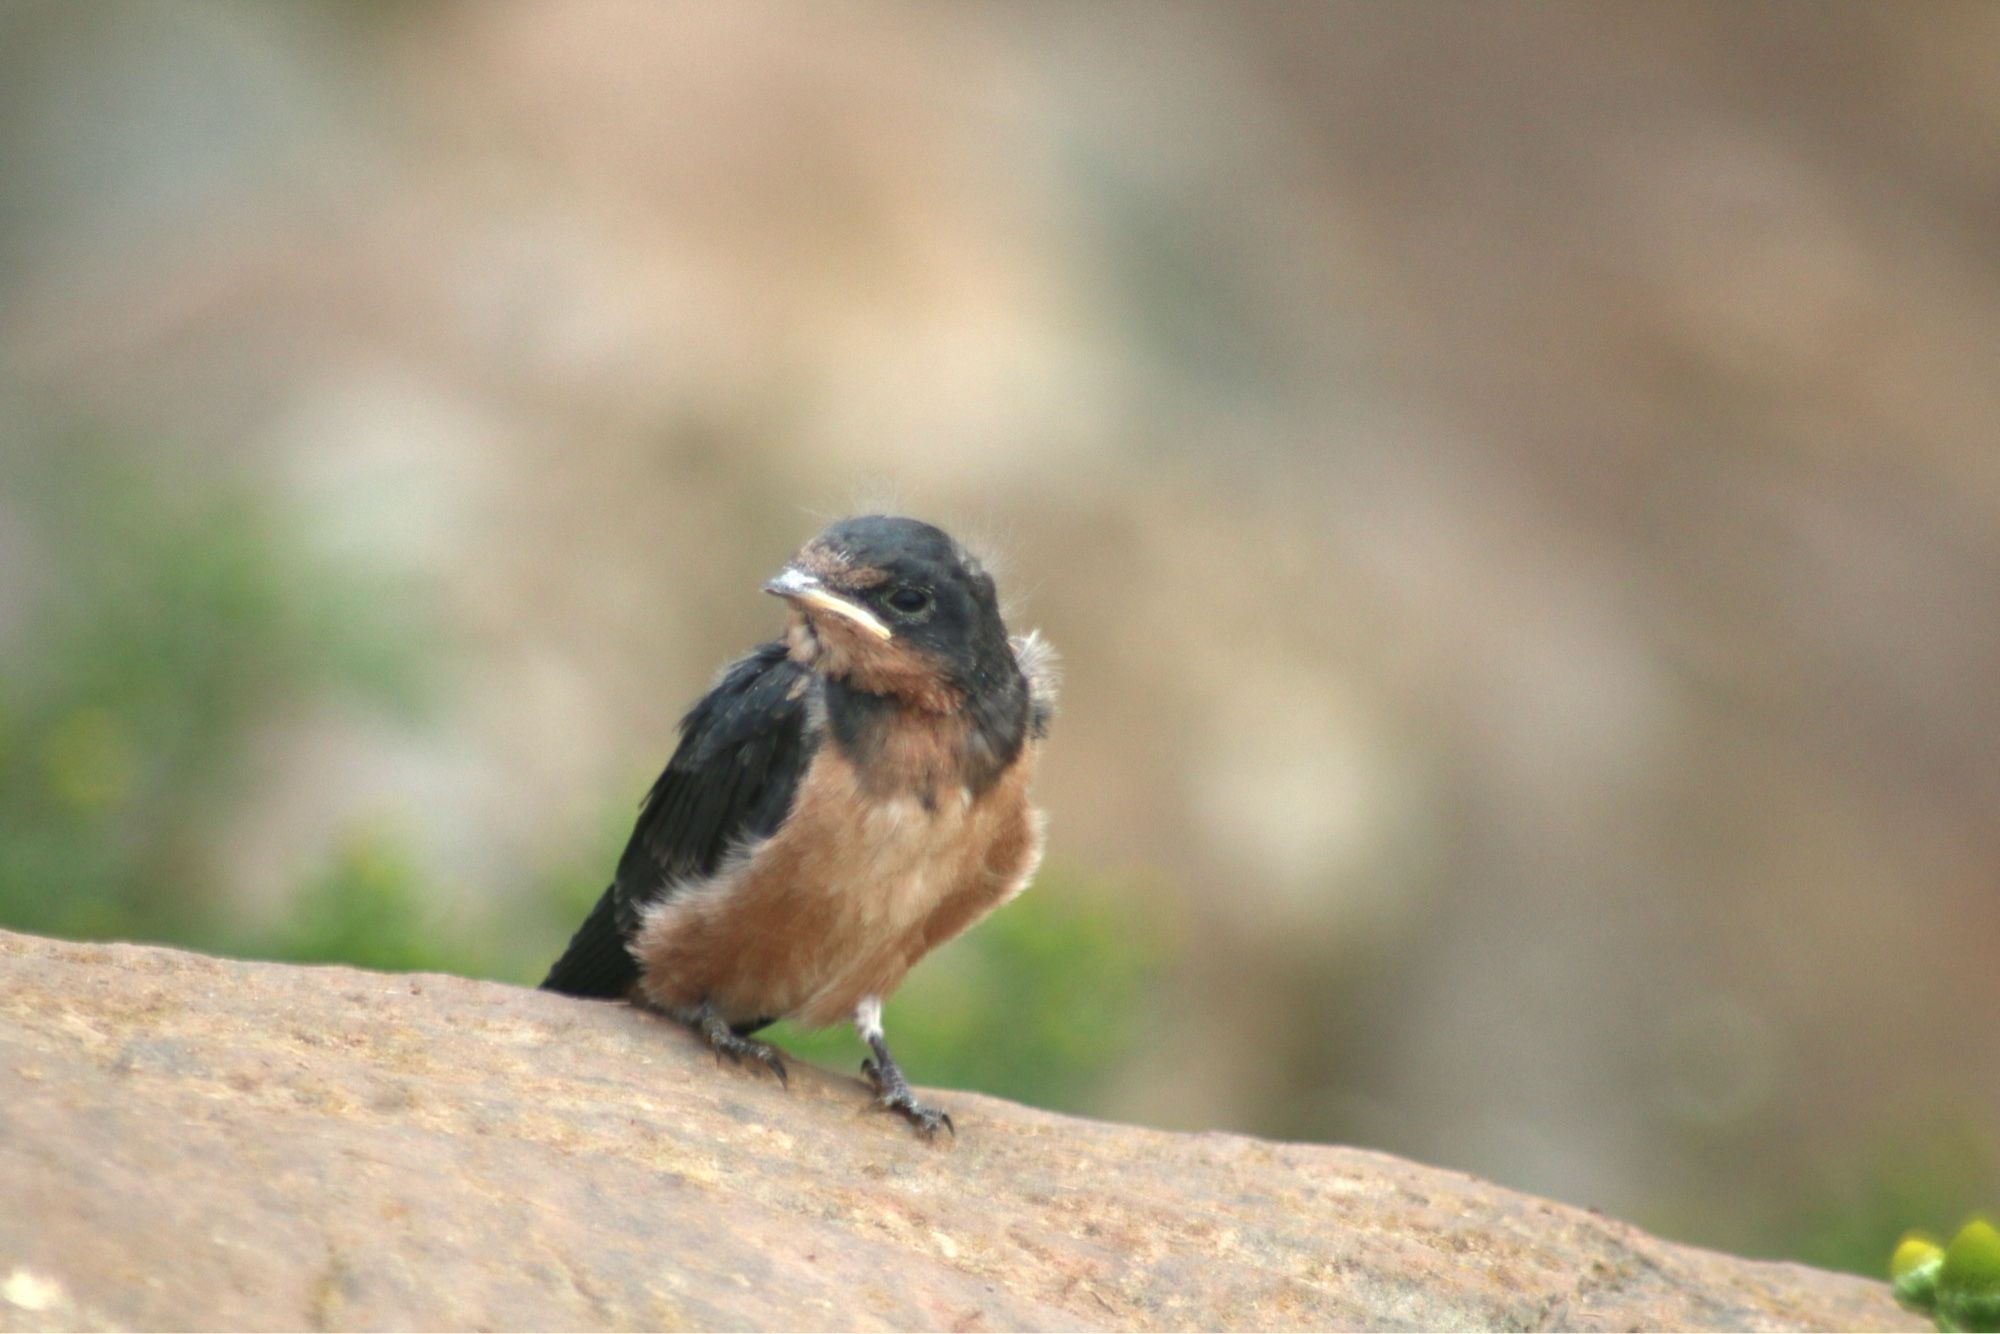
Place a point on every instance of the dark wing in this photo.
(732, 779)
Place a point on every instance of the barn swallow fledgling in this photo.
(844, 800)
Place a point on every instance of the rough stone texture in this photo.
(187, 1141)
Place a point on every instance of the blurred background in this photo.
(1515, 487)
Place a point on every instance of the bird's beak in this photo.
(806, 590)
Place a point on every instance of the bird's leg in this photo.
(715, 1030)
(892, 1090)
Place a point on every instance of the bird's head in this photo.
(894, 607)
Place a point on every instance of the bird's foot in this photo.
(727, 1042)
(892, 1091)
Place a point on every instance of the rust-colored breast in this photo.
(870, 872)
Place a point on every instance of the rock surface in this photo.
(193, 1142)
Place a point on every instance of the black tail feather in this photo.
(596, 962)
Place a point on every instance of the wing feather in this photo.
(731, 781)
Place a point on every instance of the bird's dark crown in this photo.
(883, 595)
(891, 610)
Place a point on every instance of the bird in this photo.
(843, 800)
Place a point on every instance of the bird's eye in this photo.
(909, 601)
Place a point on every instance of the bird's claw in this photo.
(727, 1043)
(756, 1051)
(925, 1118)
(893, 1094)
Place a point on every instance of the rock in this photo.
(194, 1142)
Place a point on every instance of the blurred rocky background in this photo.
(1515, 485)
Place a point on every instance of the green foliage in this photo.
(1958, 1285)
(165, 622)
(1913, 1271)
(1927, 1167)
(369, 907)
